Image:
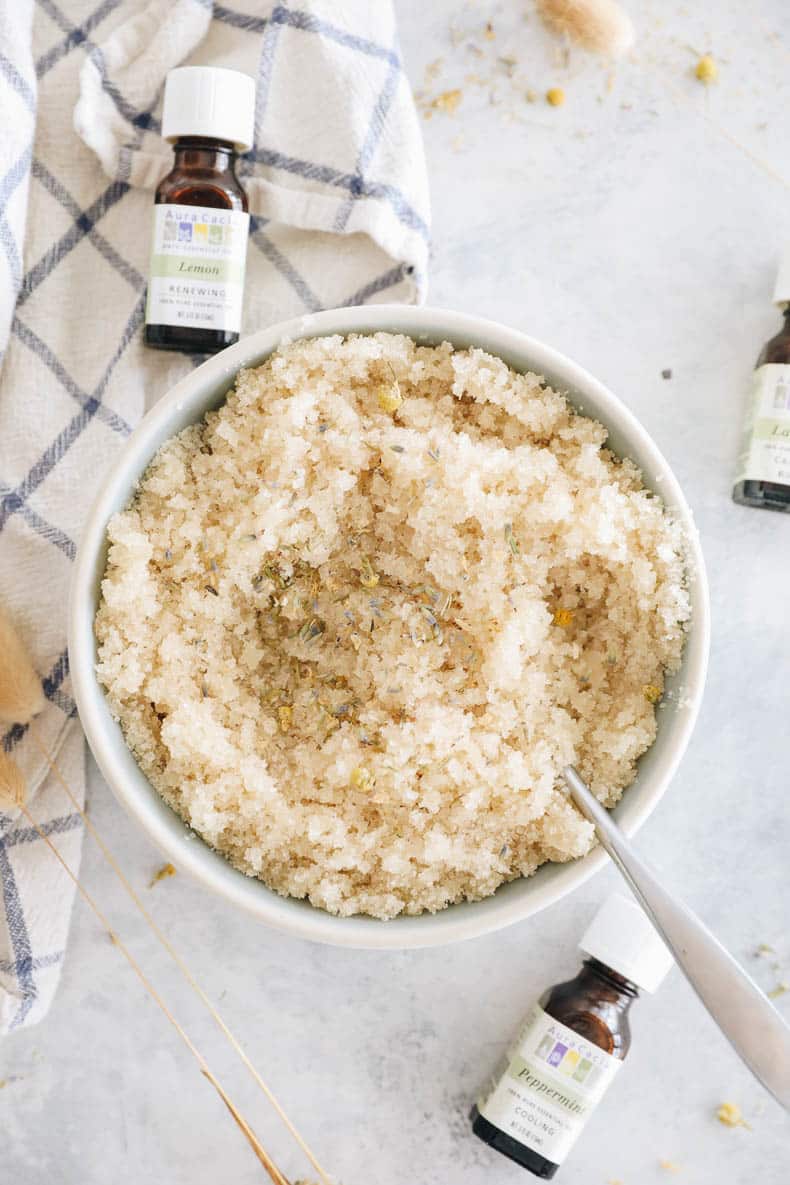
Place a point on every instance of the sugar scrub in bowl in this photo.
(358, 613)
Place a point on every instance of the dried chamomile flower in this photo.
(731, 1115)
(706, 69)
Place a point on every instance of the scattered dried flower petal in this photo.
(433, 70)
(164, 872)
(448, 101)
(555, 96)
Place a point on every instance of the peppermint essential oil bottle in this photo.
(196, 276)
(763, 477)
(572, 1043)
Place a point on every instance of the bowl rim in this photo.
(457, 922)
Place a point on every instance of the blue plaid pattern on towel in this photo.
(338, 195)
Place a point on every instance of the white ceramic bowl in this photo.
(205, 388)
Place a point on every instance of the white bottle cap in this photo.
(782, 286)
(209, 101)
(621, 937)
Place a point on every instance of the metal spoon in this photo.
(747, 1018)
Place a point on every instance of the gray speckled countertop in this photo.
(628, 229)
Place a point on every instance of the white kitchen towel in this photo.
(338, 197)
(18, 108)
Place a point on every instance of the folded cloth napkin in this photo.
(338, 198)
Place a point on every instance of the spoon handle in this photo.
(747, 1018)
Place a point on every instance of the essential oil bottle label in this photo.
(553, 1081)
(196, 279)
(765, 455)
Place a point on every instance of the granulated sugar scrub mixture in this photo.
(356, 621)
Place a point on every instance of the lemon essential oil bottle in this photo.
(201, 224)
(572, 1043)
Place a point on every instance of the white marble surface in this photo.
(629, 230)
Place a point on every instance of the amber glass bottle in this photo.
(572, 1043)
(196, 278)
(763, 477)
